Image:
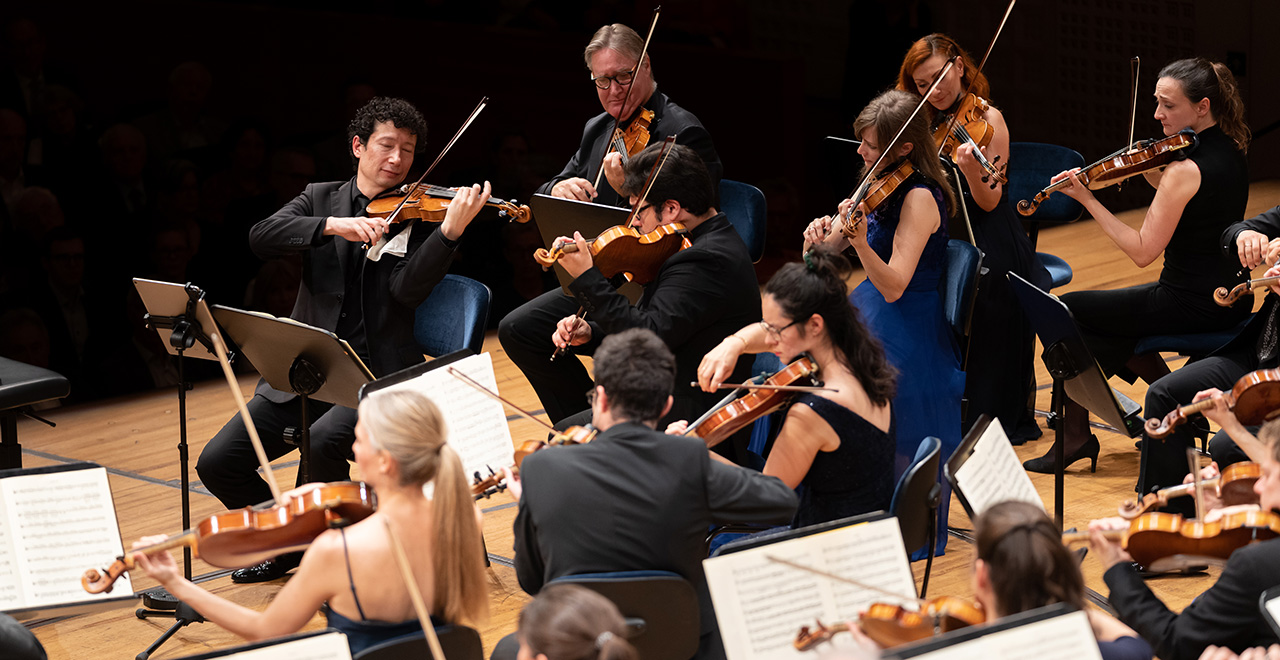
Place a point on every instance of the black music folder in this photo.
(556, 217)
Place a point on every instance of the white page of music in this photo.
(57, 525)
(329, 646)
(1066, 637)
(761, 604)
(993, 474)
(477, 424)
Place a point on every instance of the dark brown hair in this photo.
(1202, 79)
(637, 372)
(1027, 562)
(568, 622)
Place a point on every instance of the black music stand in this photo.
(300, 359)
(556, 217)
(181, 316)
(1075, 373)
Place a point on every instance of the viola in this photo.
(1254, 399)
(624, 250)
(430, 203)
(249, 536)
(893, 625)
(1140, 157)
(1163, 542)
(1234, 486)
(966, 126)
(881, 187)
(757, 403)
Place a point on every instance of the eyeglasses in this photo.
(776, 332)
(623, 78)
(591, 397)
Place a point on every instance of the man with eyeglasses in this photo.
(701, 295)
(612, 56)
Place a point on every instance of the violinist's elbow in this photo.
(892, 295)
(1144, 260)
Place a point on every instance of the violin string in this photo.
(472, 117)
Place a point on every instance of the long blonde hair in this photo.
(409, 427)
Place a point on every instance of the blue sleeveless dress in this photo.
(918, 342)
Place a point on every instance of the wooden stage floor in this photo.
(135, 438)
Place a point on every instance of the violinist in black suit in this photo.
(370, 303)
(611, 56)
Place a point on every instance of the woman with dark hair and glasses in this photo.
(837, 444)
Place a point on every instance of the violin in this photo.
(1162, 542)
(483, 487)
(248, 536)
(624, 250)
(966, 126)
(635, 138)
(881, 187)
(1234, 485)
(1138, 158)
(1254, 399)
(430, 203)
(757, 403)
(893, 625)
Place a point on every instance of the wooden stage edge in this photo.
(135, 438)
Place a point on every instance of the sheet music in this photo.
(328, 646)
(477, 424)
(761, 605)
(1066, 637)
(57, 525)
(993, 473)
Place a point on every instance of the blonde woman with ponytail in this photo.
(401, 450)
(1196, 200)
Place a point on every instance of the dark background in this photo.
(768, 79)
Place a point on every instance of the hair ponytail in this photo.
(1231, 115)
(1202, 79)
(460, 590)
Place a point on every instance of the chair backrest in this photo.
(660, 607)
(960, 284)
(745, 206)
(1031, 165)
(453, 317)
(915, 498)
(457, 642)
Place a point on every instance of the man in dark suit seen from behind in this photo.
(633, 498)
(367, 298)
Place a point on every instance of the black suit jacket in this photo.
(1266, 223)
(634, 499)
(701, 295)
(390, 289)
(668, 119)
(1226, 614)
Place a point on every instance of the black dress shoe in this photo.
(268, 570)
(1048, 463)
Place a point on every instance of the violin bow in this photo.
(470, 118)
(270, 476)
(419, 606)
(617, 121)
(1193, 464)
(1135, 65)
(665, 151)
(991, 46)
(498, 397)
(840, 578)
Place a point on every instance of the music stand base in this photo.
(160, 604)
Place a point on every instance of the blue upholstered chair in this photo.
(745, 206)
(1031, 166)
(915, 503)
(453, 317)
(660, 609)
(959, 289)
(457, 642)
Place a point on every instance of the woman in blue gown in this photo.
(903, 248)
(400, 447)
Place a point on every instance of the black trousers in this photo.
(525, 335)
(228, 465)
(1164, 462)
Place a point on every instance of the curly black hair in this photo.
(399, 112)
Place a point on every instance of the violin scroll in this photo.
(96, 582)
(1227, 298)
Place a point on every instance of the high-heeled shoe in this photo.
(1049, 462)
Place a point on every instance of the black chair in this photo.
(23, 386)
(959, 288)
(453, 317)
(660, 608)
(915, 503)
(457, 642)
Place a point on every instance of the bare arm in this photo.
(803, 435)
(920, 218)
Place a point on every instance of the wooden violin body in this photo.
(248, 536)
(1254, 399)
(746, 409)
(431, 203)
(1234, 486)
(1163, 542)
(1143, 156)
(635, 138)
(967, 126)
(624, 250)
(894, 625)
(880, 189)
